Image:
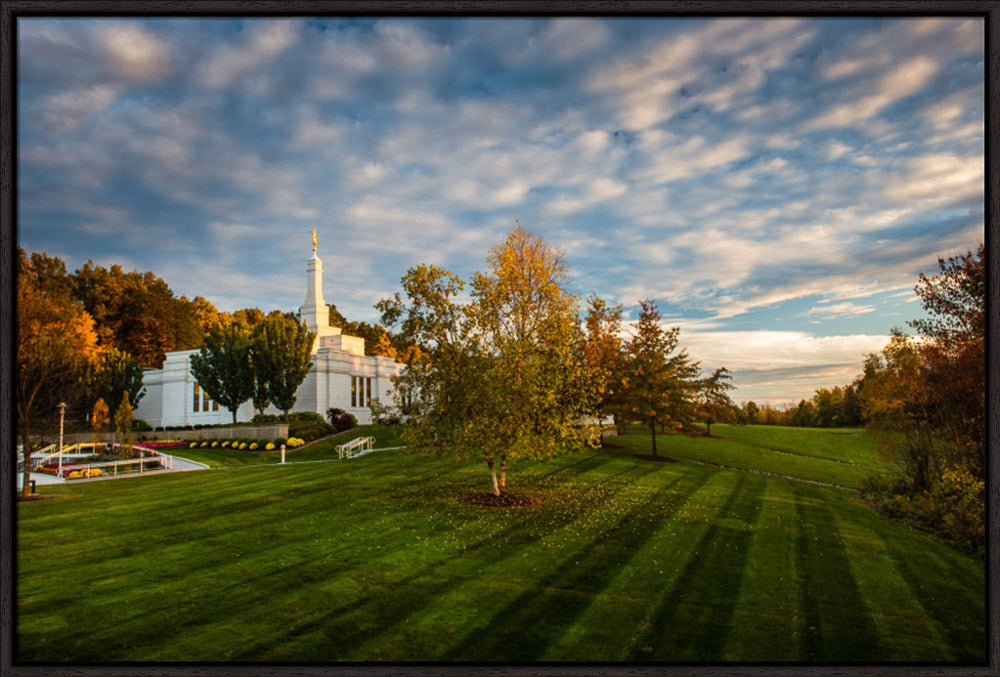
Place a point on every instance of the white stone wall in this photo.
(169, 399)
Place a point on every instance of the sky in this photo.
(775, 185)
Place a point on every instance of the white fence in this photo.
(143, 463)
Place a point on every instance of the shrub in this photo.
(225, 444)
(278, 441)
(341, 420)
(309, 430)
(192, 445)
(243, 445)
(253, 446)
(204, 443)
(270, 446)
(215, 443)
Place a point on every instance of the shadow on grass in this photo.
(525, 627)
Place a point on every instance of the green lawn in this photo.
(375, 559)
(324, 449)
(834, 456)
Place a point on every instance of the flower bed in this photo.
(163, 444)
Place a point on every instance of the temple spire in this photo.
(314, 311)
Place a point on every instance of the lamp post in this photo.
(62, 415)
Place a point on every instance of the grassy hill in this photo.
(376, 559)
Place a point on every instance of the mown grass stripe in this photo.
(693, 620)
(540, 614)
(770, 597)
(891, 602)
(837, 624)
(377, 559)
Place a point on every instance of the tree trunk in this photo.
(234, 415)
(503, 473)
(652, 430)
(26, 446)
(493, 476)
(708, 428)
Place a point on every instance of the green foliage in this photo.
(280, 358)
(714, 404)
(116, 373)
(503, 376)
(123, 426)
(222, 366)
(660, 383)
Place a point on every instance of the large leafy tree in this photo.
(116, 373)
(954, 354)
(56, 347)
(281, 356)
(222, 366)
(501, 377)
(661, 379)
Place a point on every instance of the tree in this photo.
(714, 404)
(222, 367)
(604, 358)
(954, 354)
(752, 412)
(123, 426)
(56, 346)
(281, 356)
(139, 314)
(827, 404)
(660, 382)
(116, 373)
(501, 377)
(99, 419)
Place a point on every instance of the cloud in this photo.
(266, 40)
(840, 310)
(748, 174)
(135, 53)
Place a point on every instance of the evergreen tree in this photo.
(714, 404)
(661, 382)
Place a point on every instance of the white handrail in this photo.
(349, 449)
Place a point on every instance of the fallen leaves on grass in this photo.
(501, 501)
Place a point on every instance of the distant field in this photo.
(375, 559)
(842, 456)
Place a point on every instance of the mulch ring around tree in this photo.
(501, 501)
(658, 459)
(32, 497)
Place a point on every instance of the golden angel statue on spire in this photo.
(314, 240)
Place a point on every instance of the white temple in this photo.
(341, 376)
